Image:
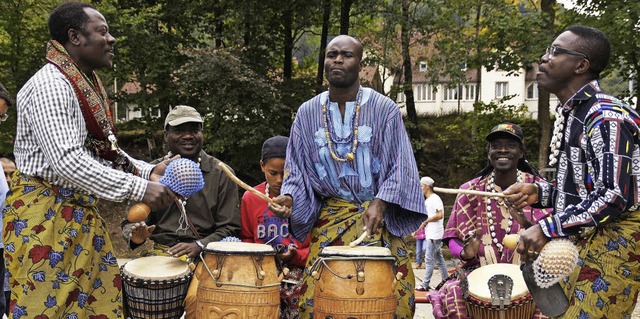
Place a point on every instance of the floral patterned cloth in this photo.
(339, 224)
(607, 282)
(58, 251)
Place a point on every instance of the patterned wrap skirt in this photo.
(340, 223)
(606, 283)
(58, 254)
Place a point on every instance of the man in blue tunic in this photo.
(350, 167)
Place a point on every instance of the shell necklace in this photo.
(556, 139)
(506, 225)
(354, 145)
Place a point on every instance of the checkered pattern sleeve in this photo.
(50, 138)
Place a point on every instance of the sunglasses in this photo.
(4, 117)
(553, 50)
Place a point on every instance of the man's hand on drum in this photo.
(532, 240)
(373, 217)
(471, 246)
(140, 232)
(520, 195)
(191, 250)
(285, 202)
(288, 255)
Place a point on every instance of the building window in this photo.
(423, 66)
(400, 97)
(451, 94)
(470, 92)
(532, 91)
(430, 92)
(502, 89)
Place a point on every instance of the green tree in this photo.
(620, 20)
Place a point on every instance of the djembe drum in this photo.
(354, 282)
(238, 280)
(155, 287)
(498, 291)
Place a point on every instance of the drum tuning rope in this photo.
(215, 274)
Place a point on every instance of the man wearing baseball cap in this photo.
(476, 227)
(213, 213)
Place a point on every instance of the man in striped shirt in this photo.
(350, 165)
(58, 251)
(596, 151)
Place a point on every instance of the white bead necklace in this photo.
(556, 139)
(490, 214)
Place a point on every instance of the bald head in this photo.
(348, 41)
(342, 62)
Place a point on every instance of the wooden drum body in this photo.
(479, 300)
(238, 280)
(155, 287)
(354, 282)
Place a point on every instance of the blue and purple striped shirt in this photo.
(384, 165)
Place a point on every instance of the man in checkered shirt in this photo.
(58, 252)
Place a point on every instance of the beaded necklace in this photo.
(490, 214)
(352, 154)
(556, 139)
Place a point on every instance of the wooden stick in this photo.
(467, 191)
(244, 185)
(359, 240)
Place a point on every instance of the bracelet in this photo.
(199, 243)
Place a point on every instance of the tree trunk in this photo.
(288, 43)
(326, 15)
(544, 117)
(219, 25)
(345, 14)
(478, 50)
(412, 126)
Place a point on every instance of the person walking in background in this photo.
(477, 225)
(343, 175)
(212, 213)
(420, 248)
(595, 148)
(57, 248)
(260, 225)
(5, 103)
(433, 229)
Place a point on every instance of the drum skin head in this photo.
(478, 279)
(357, 251)
(238, 247)
(156, 268)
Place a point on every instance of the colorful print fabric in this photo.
(59, 254)
(340, 223)
(607, 281)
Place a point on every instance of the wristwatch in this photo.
(200, 244)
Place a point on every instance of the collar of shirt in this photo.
(584, 94)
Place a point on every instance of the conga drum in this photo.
(155, 287)
(482, 304)
(354, 282)
(238, 280)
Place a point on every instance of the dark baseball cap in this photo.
(275, 147)
(508, 129)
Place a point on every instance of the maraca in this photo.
(555, 261)
(183, 176)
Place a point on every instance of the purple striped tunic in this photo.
(384, 165)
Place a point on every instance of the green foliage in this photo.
(454, 144)
(241, 108)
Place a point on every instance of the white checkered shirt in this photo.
(50, 138)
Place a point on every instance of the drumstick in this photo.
(467, 191)
(359, 240)
(244, 185)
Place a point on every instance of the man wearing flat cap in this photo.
(213, 212)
